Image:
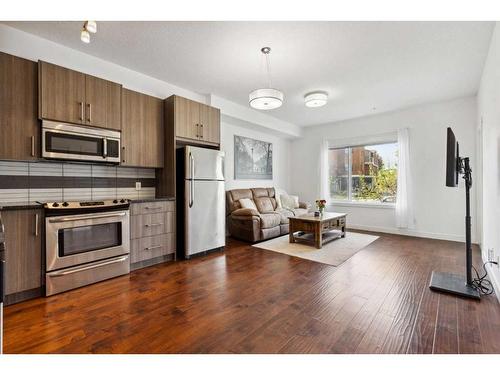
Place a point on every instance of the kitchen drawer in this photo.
(151, 224)
(152, 247)
(151, 207)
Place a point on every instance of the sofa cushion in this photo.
(245, 212)
(265, 204)
(285, 214)
(248, 203)
(233, 198)
(270, 220)
(289, 201)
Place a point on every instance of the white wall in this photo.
(489, 193)
(439, 211)
(281, 157)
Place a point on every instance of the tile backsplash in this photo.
(52, 181)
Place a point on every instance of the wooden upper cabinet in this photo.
(102, 103)
(142, 130)
(23, 255)
(69, 96)
(195, 121)
(19, 127)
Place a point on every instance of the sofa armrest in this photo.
(304, 205)
(245, 212)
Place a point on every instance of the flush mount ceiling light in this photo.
(267, 98)
(315, 99)
(88, 27)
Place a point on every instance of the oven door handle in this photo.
(88, 267)
(86, 216)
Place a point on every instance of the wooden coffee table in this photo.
(317, 230)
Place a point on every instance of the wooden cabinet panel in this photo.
(132, 109)
(187, 116)
(23, 255)
(142, 130)
(18, 102)
(196, 121)
(61, 93)
(212, 131)
(151, 224)
(151, 207)
(152, 247)
(102, 103)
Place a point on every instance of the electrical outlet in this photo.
(138, 185)
(491, 255)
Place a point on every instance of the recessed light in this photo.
(316, 99)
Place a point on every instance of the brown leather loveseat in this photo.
(267, 221)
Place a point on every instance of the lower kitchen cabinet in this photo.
(152, 233)
(23, 254)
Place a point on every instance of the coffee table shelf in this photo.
(317, 230)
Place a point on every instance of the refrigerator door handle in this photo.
(191, 183)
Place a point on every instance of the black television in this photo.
(452, 159)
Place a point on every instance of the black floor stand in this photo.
(457, 284)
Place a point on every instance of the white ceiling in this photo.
(362, 65)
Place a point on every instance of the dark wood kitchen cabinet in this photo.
(195, 123)
(19, 128)
(23, 253)
(142, 130)
(70, 96)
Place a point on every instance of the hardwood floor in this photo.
(249, 300)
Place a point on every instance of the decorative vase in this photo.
(321, 209)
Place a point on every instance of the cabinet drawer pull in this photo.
(153, 247)
(32, 145)
(36, 225)
(81, 111)
(152, 208)
(152, 225)
(90, 112)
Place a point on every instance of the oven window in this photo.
(88, 238)
(73, 144)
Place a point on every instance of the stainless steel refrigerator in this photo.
(200, 200)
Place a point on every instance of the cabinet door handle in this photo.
(152, 247)
(123, 154)
(152, 225)
(201, 131)
(33, 145)
(36, 225)
(90, 112)
(81, 111)
(197, 130)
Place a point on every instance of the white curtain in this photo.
(323, 190)
(404, 199)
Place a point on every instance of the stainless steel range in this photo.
(85, 242)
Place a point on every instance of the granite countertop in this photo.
(20, 206)
(34, 205)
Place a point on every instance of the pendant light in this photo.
(266, 98)
(88, 27)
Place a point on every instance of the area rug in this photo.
(333, 253)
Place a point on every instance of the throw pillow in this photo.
(278, 192)
(289, 202)
(247, 203)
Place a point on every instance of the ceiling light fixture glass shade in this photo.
(90, 26)
(266, 98)
(85, 36)
(316, 99)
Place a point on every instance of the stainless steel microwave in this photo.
(73, 142)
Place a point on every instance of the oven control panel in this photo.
(86, 204)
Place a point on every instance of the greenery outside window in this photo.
(366, 173)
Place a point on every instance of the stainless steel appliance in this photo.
(2, 273)
(83, 143)
(201, 207)
(85, 242)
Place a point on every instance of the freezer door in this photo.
(205, 216)
(204, 164)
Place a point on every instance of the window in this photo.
(364, 173)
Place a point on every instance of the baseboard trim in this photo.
(492, 275)
(408, 232)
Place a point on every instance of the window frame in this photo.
(350, 202)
